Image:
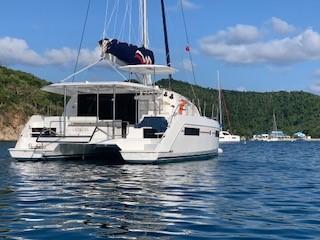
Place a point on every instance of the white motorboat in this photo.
(120, 121)
(227, 137)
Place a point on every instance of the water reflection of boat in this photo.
(64, 196)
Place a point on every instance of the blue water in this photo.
(251, 191)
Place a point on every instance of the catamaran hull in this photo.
(111, 156)
(146, 158)
(25, 154)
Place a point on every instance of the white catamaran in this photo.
(120, 120)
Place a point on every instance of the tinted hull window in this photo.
(191, 131)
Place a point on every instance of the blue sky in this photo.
(256, 45)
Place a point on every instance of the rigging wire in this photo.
(106, 27)
(189, 52)
(111, 16)
(90, 66)
(105, 20)
(81, 40)
(116, 19)
(130, 19)
(121, 32)
(135, 25)
(81, 70)
(140, 22)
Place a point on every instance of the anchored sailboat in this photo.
(123, 121)
(224, 136)
(275, 135)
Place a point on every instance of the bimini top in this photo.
(72, 88)
(148, 69)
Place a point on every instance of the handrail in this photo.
(96, 129)
(173, 115)
(61, 137)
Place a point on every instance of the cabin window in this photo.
(87, 105)
(106, 106)
(217, 133)
(125, 106)
(192, 131)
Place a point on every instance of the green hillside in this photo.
(251, 112)
(20, 97)
(245, 113)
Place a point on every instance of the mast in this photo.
(275, 128)
(65, 111)
(144, 24)
(219, 94)
(164, 23)
(147, 77)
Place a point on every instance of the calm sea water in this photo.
(251, 191)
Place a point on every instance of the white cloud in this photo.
(281, 26)
(234, 49)
(61, 56)
(187, 4)
(65, 56)
(238, 34)
(17, 51)
(13, 50)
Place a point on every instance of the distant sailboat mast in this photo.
(219, 92)
(275, 127)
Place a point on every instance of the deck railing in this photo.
(49, 135)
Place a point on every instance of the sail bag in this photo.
(128, 53)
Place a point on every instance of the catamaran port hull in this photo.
(145, 158)
(107, 153)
